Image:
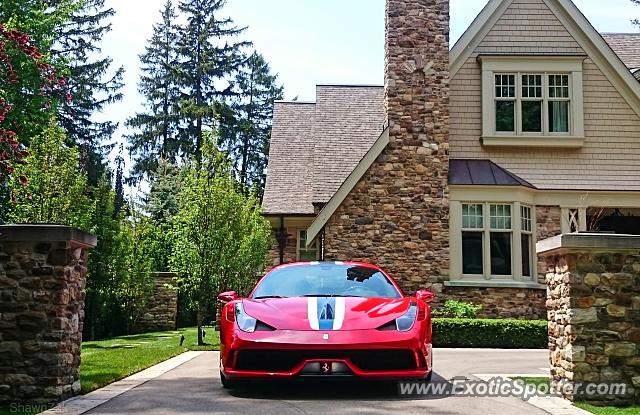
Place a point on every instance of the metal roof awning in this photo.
(482, 172)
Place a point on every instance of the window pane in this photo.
(472, 253)
(472, 216)
(559, 116)
(505, 116)
(500, 216)
(532, 116)
(559, 86)
(500, 243)
(525, 215)
(505, 86)
(526, 255)
(532, 86)
(302, 241)
(310, 255)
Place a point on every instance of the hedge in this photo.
(486, 333)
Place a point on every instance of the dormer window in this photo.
(532, 101)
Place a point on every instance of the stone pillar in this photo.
(42, 280)
(397, 216)
(593, 307)
(162, 308)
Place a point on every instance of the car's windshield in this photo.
(326, 279)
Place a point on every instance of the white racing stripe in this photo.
(312, 312)
(339, 313)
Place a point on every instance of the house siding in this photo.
(609, 158)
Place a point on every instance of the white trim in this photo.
(534, 141)
(347, 186)
(495, 284)
(475, 33)
(575, 23)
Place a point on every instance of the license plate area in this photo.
(326, 368)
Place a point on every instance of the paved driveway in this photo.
(194, 388)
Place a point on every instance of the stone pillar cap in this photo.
(588, 241)
(47, 233)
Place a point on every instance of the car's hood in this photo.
(326, 313)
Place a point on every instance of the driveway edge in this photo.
(83, 403)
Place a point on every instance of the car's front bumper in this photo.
(359, 353)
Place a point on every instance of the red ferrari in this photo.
(325, 319)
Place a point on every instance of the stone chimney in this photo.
(417, 105)
(397, 216)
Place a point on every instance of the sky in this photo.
(307, 42)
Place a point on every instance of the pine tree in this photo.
(246, 132)
(156, 136)
(90, 80)
(208, 58)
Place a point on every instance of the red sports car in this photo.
(325, 319)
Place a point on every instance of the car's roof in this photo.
(300, 263)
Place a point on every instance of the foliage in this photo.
(456, 309)
(90, 79)
(636, 21)
(608, 410)
(485, 333)
(207, 58)
(55, 193)
(246, 127)
(155, 133)
(106, 361)
(221, 239)
(162, 205)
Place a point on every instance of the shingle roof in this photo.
(482, 172)
(349, 119)
(288, 189)
(322, 143)
(626, 46)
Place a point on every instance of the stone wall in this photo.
(290, 250)
(397, 216)
(594, 312)
(162, 307)
(42, 280)
(516, 303)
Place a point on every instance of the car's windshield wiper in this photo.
(262, 297)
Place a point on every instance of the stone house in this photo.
(529, 126)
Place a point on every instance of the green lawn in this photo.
(608, 410)
(598, 410)
(106, 361)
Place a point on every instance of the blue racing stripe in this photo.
(326, 313)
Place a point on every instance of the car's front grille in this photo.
(272, 360)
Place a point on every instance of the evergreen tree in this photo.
(92, 83)
(246, 132)
(156, 136)
(208, 58)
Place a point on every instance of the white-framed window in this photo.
(497, 241)
(305, 253)
(532, 103)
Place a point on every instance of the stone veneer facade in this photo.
(42, 280)
(594, 312)
(397, 214)
(162, 308)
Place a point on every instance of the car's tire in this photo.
(429, 376)
(228, 383)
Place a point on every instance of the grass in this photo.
(608, 410)
(106, 361)
(598, 410)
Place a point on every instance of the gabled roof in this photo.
(289, 186)
(315, 145)
(482, 172)
(576, 24)
(627, 47)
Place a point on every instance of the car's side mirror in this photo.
(227, 296)
(426, 296)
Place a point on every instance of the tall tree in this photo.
(208, 59)
(221, 239)
(91, 81)
(636, 21)
(156, 128)
(55, 193)
(246, 130)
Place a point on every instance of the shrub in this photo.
(457, 309)
(504, 334)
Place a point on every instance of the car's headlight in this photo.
(245, 321)
(405, 322)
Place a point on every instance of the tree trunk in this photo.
(199, 317)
